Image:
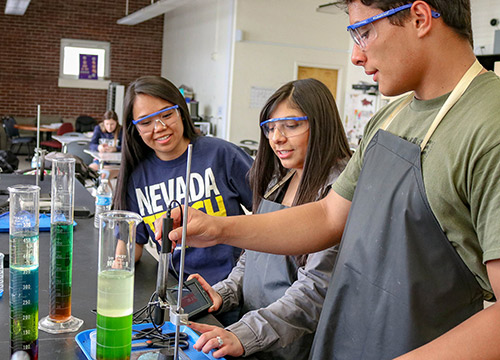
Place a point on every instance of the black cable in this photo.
(168, 214)
(146, 308)
(146, 312)
(181, 218)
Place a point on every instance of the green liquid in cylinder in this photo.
(114, 337)
(60, 274)
(115, 293)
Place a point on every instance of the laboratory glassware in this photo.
(23, 269)
(60, 319)
(115, 284)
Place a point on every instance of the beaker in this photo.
(115, 284)
(59, 319)
(23, 271)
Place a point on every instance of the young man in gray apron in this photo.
(420, 248)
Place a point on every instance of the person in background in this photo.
(302, 150)
(158, 130)
(107, 136)
(417, 206)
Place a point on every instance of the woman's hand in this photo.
(102, 148)
(214, 337)
(214, 295)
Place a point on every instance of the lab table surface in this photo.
(65, 139)
(111, 157)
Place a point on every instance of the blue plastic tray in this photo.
(83, 340)
(44, 222)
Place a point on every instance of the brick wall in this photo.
(30, 48)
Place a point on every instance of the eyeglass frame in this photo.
(295, 118)
(380, 16)
(135, 122)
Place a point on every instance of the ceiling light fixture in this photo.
(151, 11)
(331, 8)
(16, 7)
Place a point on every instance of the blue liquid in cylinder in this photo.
(24, 310)
(23, 294)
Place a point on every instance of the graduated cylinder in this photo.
(60, 319)
(23, 272)
(115, 284)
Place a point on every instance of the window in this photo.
(69, 65)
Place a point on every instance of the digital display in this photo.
(194, 301)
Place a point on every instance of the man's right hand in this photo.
(202, 229)
(284, 232)
(214, 295)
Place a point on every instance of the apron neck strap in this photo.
(396, 111)
(457, 92)
(279, 183)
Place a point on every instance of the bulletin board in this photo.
(360, 108)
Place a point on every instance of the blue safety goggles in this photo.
(135, 122)
(288, 126)
(363, 32)
(385, 14)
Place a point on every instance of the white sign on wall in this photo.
(259, 96)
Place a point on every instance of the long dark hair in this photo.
(134, 150)
(326, 147)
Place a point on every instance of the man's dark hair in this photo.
(455, 13)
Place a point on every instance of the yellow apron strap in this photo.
(391, 117)
(457, 92)
(396, 111)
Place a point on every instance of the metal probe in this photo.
(183, 251)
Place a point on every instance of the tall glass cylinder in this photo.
(59, 319)
(23, 272)
(115, 284)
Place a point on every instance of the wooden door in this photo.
(328, 77)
